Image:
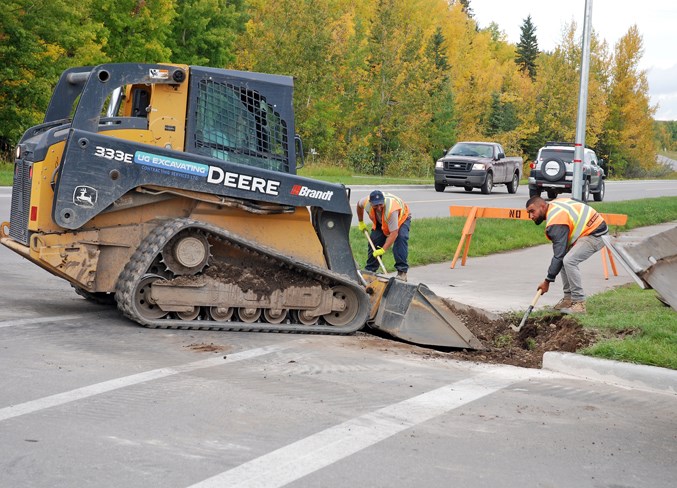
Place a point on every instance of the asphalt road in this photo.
(88, 398)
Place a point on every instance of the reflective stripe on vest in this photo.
(577, 215)
(392, 204)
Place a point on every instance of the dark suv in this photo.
(553, 171)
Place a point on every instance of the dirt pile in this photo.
(552, 332)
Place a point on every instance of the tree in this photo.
(204, 32)
(135, 30)
(442, 131)
(38, 40)
(466, 7)
(558, 86)
(503, 117)
(527, 48)
(629, 129)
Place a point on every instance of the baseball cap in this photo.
(376, 198)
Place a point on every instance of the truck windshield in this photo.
(472, 149)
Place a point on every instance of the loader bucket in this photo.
(415, 314)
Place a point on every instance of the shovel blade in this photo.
(415, 314)
(524, 319)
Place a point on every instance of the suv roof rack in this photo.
(555, 143)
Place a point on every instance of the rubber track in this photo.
(151, 246)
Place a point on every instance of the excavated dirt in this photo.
(553, 332)
(550, 332)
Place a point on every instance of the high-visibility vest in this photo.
(581, 219)
(392, 204)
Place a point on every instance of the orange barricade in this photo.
(474, 213)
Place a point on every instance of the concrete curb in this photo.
(616, 373)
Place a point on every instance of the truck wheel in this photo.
(467, 188)
(440, 186)
(599, 196)
(514, 183)
(488, 184)
(534, 191)
(552, 194)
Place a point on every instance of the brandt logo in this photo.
(304, 191)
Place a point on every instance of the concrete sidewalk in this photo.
(507, 281)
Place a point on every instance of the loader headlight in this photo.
(18, 151)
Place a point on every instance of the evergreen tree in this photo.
(502, 117)
(527, 49)
(437, 53)
(467, 8)
(442, 132)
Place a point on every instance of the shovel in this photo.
(527, 313)
(373, 248)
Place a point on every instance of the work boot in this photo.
(575, 308)
(565, 302)
(401, 275)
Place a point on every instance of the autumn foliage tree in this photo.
(381, 86)
(629, 132)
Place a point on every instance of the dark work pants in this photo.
(400, 247)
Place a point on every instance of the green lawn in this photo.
(337, 174)
(652, 327)
(6, 173)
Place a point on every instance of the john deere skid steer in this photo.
(172, 190)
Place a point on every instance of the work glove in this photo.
(362, 226)
(379, 252)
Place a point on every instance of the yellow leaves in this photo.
(631, 115)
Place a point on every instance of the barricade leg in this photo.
(466, 237)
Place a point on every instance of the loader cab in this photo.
(241, 117)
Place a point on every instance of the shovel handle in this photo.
(373, 248)
(538, 295)
(528, 312)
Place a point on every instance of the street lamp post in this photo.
(579, 150)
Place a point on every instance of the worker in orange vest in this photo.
(390, 219)
(576, 231)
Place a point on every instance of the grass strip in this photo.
(650, 325)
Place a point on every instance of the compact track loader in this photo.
(172, 191)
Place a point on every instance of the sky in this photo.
(611, 19)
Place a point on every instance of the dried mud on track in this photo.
(552, 332)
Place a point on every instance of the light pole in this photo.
(579, 150)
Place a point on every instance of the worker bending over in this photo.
(576, 231)
(390, 219)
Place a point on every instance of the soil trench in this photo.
(550, 332)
